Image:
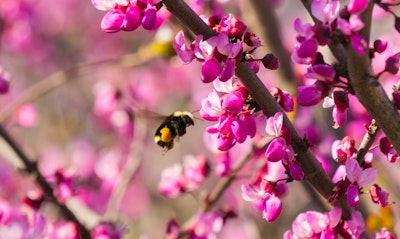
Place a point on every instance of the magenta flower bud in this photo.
(112, 21)
(321, 72)
(313, 94)
(213, 21)
(272, 208)
(392, 64)
(296, 171)
(339, 117)
(353, 196)
(149, 18)
(222, 164)
(228, 70)
(133, 18)
(357, 6)
(233, 102)
(210, 70)
(239, 130)
(397, 24)
(396, 98)
(251, 39)
(283, 98)
(322, 33)
(270, 61)
(359, 44)
(276, 150)
(341, 100)
(4, 81)
(380, 46)
(107, 230)
(385, 146)
(378, 195)
(308, 48)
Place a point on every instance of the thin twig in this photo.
(33, 170)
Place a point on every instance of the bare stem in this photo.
(33, 170)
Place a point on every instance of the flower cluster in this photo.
(185, 177)
(220, 54)
(128, 15)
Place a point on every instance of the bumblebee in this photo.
(173, 126)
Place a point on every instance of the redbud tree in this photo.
(280, 119)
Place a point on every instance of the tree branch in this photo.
(33, 170)
(314, 173)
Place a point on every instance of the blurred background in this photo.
(89, 102)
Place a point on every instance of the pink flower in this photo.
(322, 72)
(149, 18)
(304, 52)
(171, 184)
(358, 178)
(232, 26)
(195, 171)
(384, 234)
(270, 204)
(4, 81)
(112, 21)
(312, 94)
(210, 70)
(107, 230)
(283, 98)
(325, 10)
(274, 125)
(207, 224)
(211, 107)
(276, 150)
(357, 6)
(379, 196)
(183, 51)
(313, 224)
(133, 18)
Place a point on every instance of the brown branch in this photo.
(33, 170)
(368, 90)
(314, 173)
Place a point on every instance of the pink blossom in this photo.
(107, 230)
(379, 196)
(112, 21)
(211, 107)
(322, 72)
(358, 178)
(26, 116)
(233, 103)
(359, 44)
(270, 204)
(171, 184)
(274, 125)
(357, 6)
(207, 224)
(4, 81)
(312, 94)
(183, 51)
(133, 18)
(195, 171)
(304, 31)
(232, 26)
(210, 70)
(304, 52)
(149, 18)
(384, 234)
(313, 224)
(325, 10)
(276, 150)
(284, 99)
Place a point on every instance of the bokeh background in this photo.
(89, 102)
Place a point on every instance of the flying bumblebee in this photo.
(173, 126)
